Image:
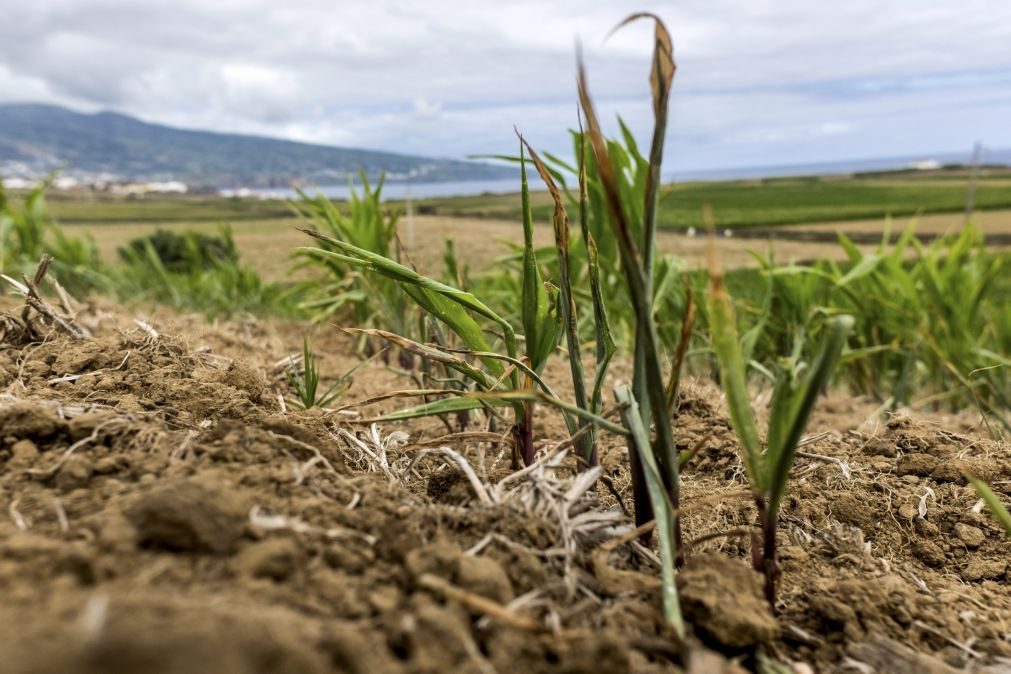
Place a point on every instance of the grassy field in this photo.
(781, 201)
(74, 208)
(757, 203)
(267, 243)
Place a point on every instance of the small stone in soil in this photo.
(929, 553)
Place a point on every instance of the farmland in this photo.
(258, 373)
(263, 229)
(547, 432)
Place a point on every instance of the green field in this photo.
(73, 208)
(774, 201)
(757, 203)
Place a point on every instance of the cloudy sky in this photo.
(760, 82)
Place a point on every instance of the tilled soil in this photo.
(163, 514)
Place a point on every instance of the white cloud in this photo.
(758, 81)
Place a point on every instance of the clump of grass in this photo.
(797, 386)
(196, 280)
(178, 251)
(27, 231)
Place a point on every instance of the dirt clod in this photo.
(723, 600)
(920, 465)
(75, 473)
(929, 552)
(28, 420)
(189, 515)
(984, 569)
(276, 559)
(485, 577)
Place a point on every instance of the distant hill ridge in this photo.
(36, 138)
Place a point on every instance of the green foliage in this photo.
(305, 380)
(773, 201)
(538, 310)
(182, 251)
(797, 386)
(27, 232)
(198, 281)
(469, 319)
(930, 320)
(347, 292)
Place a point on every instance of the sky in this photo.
(759, 82)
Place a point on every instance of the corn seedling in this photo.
(305, 380)
(367, 299)
(636, 244)
(459, 311)
(796, 389)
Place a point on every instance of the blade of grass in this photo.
(996, 508)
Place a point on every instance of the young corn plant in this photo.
(305, 381)
(492, 373)
(794, 394)
(653, 457)
(590, 401)
(636, 243)
(367, 299)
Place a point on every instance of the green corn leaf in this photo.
(539, 326)
(458, 320)
(780, 457)
(996, 508)
(430, 353)
(400, 273)
(567, 305)
(605, 347)
(663, 510)
(733, 376)
(443, 301)
(443, 406)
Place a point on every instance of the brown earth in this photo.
(165, 513)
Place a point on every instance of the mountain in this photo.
(37, 138)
